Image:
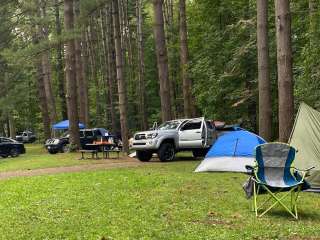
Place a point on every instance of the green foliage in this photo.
(223, 62)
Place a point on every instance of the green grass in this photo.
(156, 201)
(38, 157)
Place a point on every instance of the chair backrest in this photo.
(274, 161)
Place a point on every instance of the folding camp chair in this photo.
(273, 174)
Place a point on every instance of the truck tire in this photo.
(144, 156)
(65, 148)
(52, 151)
(14, 152)
(197, 153)
(166, 152)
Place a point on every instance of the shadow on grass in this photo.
(284, 215)
(178, 159)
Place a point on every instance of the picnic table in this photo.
(105, 147)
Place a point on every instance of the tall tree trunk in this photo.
(80, 75)
(265, 108)
(184, 61)
(84, 52)
(111, 73)
(59, 66)
(43, 102)
(120, 77)
(46, 67)
(171, 40)
(162, 60)
(92, 43)
(40, 82)
(285, 75)
(12, 125)
(141, 66)
(70, 76)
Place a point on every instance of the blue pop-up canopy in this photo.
(231, 152)
(65, 125)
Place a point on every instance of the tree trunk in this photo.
(46, 67)
(184, 61)
(265, 108)
(120, 77)
(80, 75)
(92, 43)
(85, 60)
(59, 66)
(43, 102)
(284, 62)
(162, 60)
(70, 76)
(172, 41)
(12, 125)
(141, 66)
(111, 73)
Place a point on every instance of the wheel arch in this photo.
(168, 140)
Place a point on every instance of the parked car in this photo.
(196, 135)
(10, 147)
(87, 136)
(26, 137)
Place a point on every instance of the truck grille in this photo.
(139, 144)
(140, 137)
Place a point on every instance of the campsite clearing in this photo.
(120, 204)
(38, 158)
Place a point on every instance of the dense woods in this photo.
(123, 64)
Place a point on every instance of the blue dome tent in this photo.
(65, 125)
(231, 152)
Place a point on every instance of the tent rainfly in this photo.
(305, 137)
(65, 125)
(231, 152)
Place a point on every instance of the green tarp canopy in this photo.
(305, 137)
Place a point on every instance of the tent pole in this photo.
(235, 148)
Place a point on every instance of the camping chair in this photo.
(273, 174)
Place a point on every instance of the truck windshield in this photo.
(169, 125)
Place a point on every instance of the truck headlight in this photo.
(152, 135)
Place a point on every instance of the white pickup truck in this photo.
(196, 135)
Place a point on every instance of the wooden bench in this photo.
(107, 153)
(94, 153)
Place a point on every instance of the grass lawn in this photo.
(38, 157)
(156, 201)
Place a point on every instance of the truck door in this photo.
(25, 137)
(191, 134)
(211, 135)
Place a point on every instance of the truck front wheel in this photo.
(166, 152)
(144, 156)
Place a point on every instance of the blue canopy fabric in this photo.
(231, 152)
(65, 125)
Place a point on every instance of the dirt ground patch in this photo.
(104, 164)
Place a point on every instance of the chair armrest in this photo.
(304, 172)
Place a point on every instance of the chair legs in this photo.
(293, 192)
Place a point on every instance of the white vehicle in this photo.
(196, 135)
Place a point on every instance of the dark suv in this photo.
(87, 136)
(10, 147)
